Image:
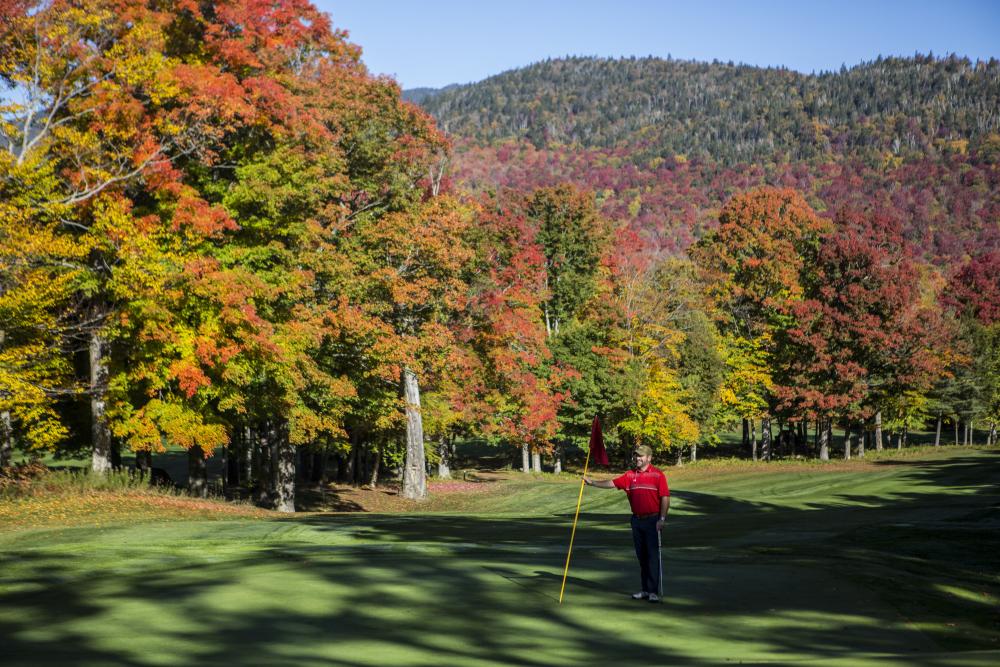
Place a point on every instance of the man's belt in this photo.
(646, 516)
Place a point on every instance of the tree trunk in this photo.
(536, 460)
(765, 438)
(557, 460)
(992, 439)
(6, 427)
(878, 431)
(414, 468)
(694, 452)
(862, 436)
(246, 458)
(746, 434)
(956, 430)
(376, 465)
(347, 475)
(824, 441)
(197, 473)
(143, 463)
(937, 433)
(753, 440)
(6, 440)
(100, 461)
(680, 457)
(284, 470)
(444, 469)
(525, 459)
(265, 462)
(847, 441)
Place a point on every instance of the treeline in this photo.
(888, 109)
(218, 232)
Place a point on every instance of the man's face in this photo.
(642, 460)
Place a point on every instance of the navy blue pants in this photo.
(647, 550)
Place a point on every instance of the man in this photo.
(649, 497)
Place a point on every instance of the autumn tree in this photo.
(754, 265)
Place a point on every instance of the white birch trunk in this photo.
(284, 469)
(415, 467)
(878, 431)
(100, 461)
(444, 469)
(536, 460)
(824, 441)
(525, 459)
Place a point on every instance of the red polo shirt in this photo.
(644, 489)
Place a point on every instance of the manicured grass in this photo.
(883, 562)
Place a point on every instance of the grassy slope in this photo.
(888, 563)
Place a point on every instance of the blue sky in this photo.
(437, 42)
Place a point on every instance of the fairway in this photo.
(891, 563)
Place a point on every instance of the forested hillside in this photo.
(892, 107)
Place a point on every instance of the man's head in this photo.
(642, 455)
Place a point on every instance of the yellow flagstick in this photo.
(573, 534)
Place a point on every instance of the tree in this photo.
(755, 264)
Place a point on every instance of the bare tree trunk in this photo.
(6, 427)
(847, 441)
(246, 458)
(557, 460)
(100, 461)
(525, 459)
(414, 468)
(536, 460)
(265, 462)
(992, 439)
(197, 473)
(753, 440)
(143, 463)
(6, 440)
(824, 440)
(937, 434)
(284, 470)
(956, 430)
(765, 438)
(444, 455)
(746, 434)
(694, 452)
(376, 465)
(862, 437)
(878, 431)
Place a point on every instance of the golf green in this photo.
(893, 563)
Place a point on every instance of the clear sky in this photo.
(437, 42)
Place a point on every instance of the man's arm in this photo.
(599, 483)
(664, 509)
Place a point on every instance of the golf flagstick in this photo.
(573, 534)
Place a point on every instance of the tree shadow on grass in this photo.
(860, 576)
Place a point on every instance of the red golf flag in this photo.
(597, 451)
